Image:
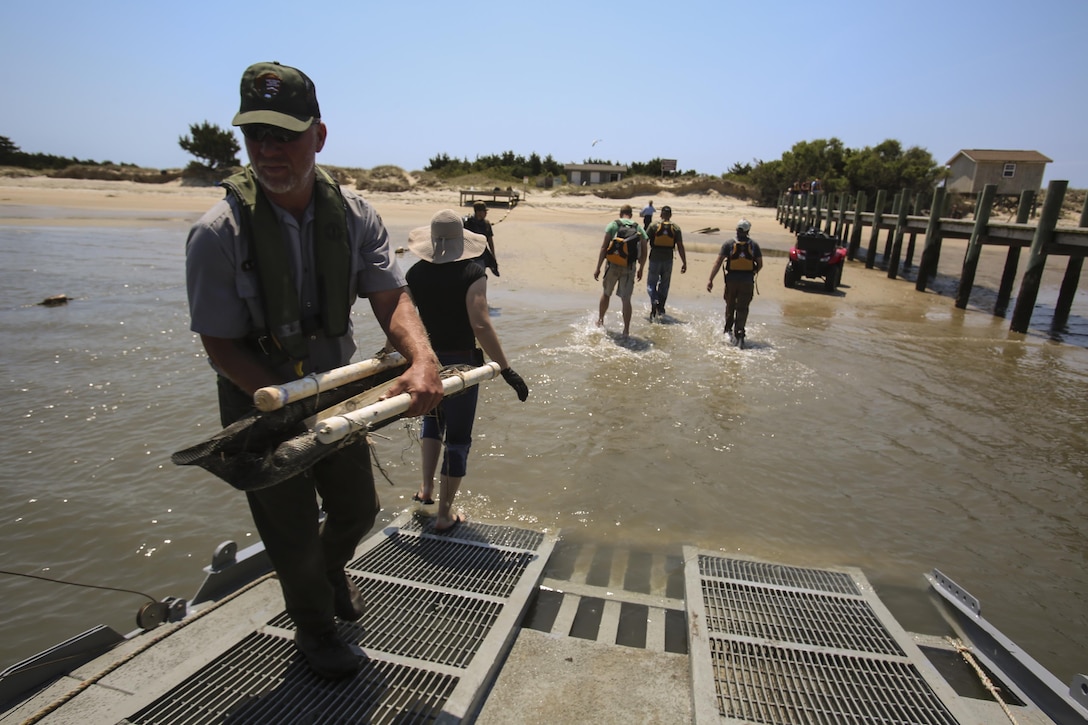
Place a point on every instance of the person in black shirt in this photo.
(479, 224)
(449, 287)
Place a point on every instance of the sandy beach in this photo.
(547, 242)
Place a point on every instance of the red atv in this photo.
(816, 255)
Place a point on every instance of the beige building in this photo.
(1012, 171)
(582, 174)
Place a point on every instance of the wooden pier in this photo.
(846, 216)
(494, 197)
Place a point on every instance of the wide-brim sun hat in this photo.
(445, 240)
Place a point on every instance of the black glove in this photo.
(514, 381)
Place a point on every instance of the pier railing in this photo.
(847, 217)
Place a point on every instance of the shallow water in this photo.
(895, 435)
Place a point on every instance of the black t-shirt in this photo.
(480, 226)
(439, 292)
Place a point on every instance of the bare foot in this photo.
(600, 322)
(442, 525)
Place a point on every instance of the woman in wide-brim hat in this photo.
(449, 286)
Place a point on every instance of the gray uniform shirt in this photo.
(224, 288)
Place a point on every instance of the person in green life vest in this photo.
(743, 260)
(624, 247)
(664, 237)
(272, 272)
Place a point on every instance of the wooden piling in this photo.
(1012, 259)
(855, 232)
(1033, 273)
(900, 227)
(840, 221)
(909, 261)
(931, 250)
(874, 237)
(1069, 282)
(891, 231)
(974, 246)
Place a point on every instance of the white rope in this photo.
(968, 657)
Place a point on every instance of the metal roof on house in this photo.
(1001, 155)
(594, 167)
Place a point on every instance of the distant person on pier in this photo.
(449, 286)
(479, 224)
(648, 215)
(623, 248)
(272, 272)
(743, 260)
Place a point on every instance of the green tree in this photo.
(822, 159)
(216, 147)
(9, 152)
(887, 166)
(739, 169)
(769, 179)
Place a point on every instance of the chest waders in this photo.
(284, 337)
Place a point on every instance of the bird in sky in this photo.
(596, 141)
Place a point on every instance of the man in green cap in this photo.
(272, 272)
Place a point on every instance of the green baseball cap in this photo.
(277, 95)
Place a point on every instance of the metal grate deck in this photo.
(775, 644)
(442, 612)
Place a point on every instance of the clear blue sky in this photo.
(707, 82)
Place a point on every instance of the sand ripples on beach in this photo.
(893, 436)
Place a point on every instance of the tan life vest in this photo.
(742, 257)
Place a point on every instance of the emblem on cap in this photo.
(268, 84)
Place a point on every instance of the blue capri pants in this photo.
(451, 422)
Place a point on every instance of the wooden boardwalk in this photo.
(847, 216)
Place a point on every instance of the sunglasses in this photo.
(260, 132)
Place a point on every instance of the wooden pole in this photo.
(900, 226)
(843, 232)
(830, 214)
(974, 246)
(1012, 259)
(276, 396)
(1033, 273)
(1072, 277)
(891, 232)
(931, 251)
(909, 261)
(855, 232)
(840, 221)
(874, 237)
(332, 429)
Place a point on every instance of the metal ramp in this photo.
(442, 612)
(780, 644)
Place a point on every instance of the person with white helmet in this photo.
(743, 260)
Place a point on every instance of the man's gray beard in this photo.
(287, 185)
